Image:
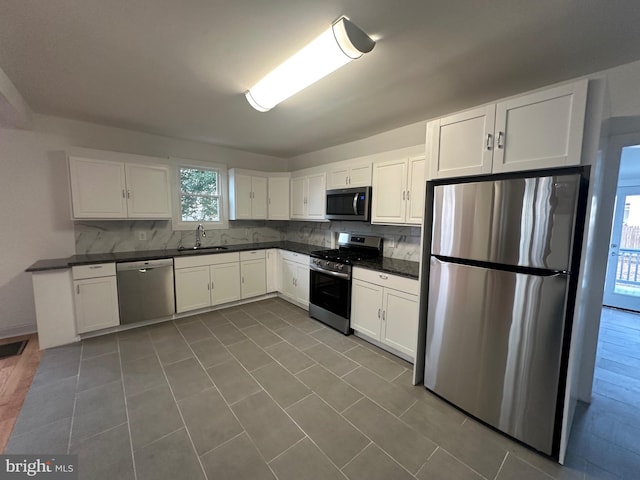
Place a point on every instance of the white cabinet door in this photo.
(253, 281)
(389, 192)
(148, 191)
(316, 197)
(289, 279)
(278, 203)
(192, 288)
(541, 130)
(462, 144)
(96, 304)
(259, 198)
(360, 175)
(302, 284)
(400, 321)
(416, 190)
(338, 177)
(225, 283)
(240, 196)
(366, 308)
(274, 270)
(98, 188)
(299, 186)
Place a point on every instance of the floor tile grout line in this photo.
(126, 409)
(358, 454)
(75, 399)
(460, 460)
(184, 423)
(427, 460)
(501, 465)
(287, 449)
(398, 376)
(244, 430)
(408, 408)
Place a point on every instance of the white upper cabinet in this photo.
(539, 130)
(346, 175)
(278, 192)
(308, 197)
(398, 191)
(103, 189)
(247, 195)
(98, 188)
(148, 191)
(460, 145)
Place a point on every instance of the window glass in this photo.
(199, 194)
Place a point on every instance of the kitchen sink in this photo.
(215, 249)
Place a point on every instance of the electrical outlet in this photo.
(142, 235)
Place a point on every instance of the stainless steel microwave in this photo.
(349, 204)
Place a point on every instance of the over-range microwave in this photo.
(349, 204)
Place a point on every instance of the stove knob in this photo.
(340, 267)
(327, 263)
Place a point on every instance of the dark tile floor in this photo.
(606, 433)
(257, 391)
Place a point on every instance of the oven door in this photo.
(330, 298)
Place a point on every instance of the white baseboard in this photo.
(18, 330)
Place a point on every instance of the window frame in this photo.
(177, 222)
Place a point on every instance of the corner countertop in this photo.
(404, 268)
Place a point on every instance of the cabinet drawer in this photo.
(199, 260)
(407, 285)
(93, 271)
(295, 257)
(252, 255)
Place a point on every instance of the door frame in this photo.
(610, 297)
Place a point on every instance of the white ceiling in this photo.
(179, 68)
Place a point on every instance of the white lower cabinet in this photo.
(253, 279)
(95, 297)
(206, 280)
(385, 308)
(273, 270)
(295, 277)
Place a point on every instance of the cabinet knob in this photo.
(383, 276)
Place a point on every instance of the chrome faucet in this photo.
(199, 234)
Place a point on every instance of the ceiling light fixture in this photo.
(336, 47)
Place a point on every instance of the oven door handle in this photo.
(355, 204)
(342, 275)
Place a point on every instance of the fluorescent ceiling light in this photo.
(336, 47)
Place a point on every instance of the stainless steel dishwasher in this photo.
(145, 290)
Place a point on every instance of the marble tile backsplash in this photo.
(124, 236)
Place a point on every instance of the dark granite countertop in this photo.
(398, 267)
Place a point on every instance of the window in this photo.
(199, 195)
(199, 198)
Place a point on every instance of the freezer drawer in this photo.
(494, 341)
(521, 221)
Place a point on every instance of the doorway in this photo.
(622, 282)
(604, 434)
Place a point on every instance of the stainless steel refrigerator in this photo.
(502, 280)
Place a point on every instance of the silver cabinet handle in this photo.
(128, 193)
(489, 141)
(123, 194)
(383, 315)
(346, 180)
(378, 313)
(383, 276)
(243, 279)
(408, 194)
(500, 139)
(93, 267)
(78, 289)
(355, 204)
(404, 195)
(208, 286)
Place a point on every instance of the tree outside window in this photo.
(199, 195)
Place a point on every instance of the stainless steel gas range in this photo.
(330, 278)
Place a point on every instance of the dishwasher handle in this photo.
(144, 265)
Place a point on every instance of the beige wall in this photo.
(34, 196)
